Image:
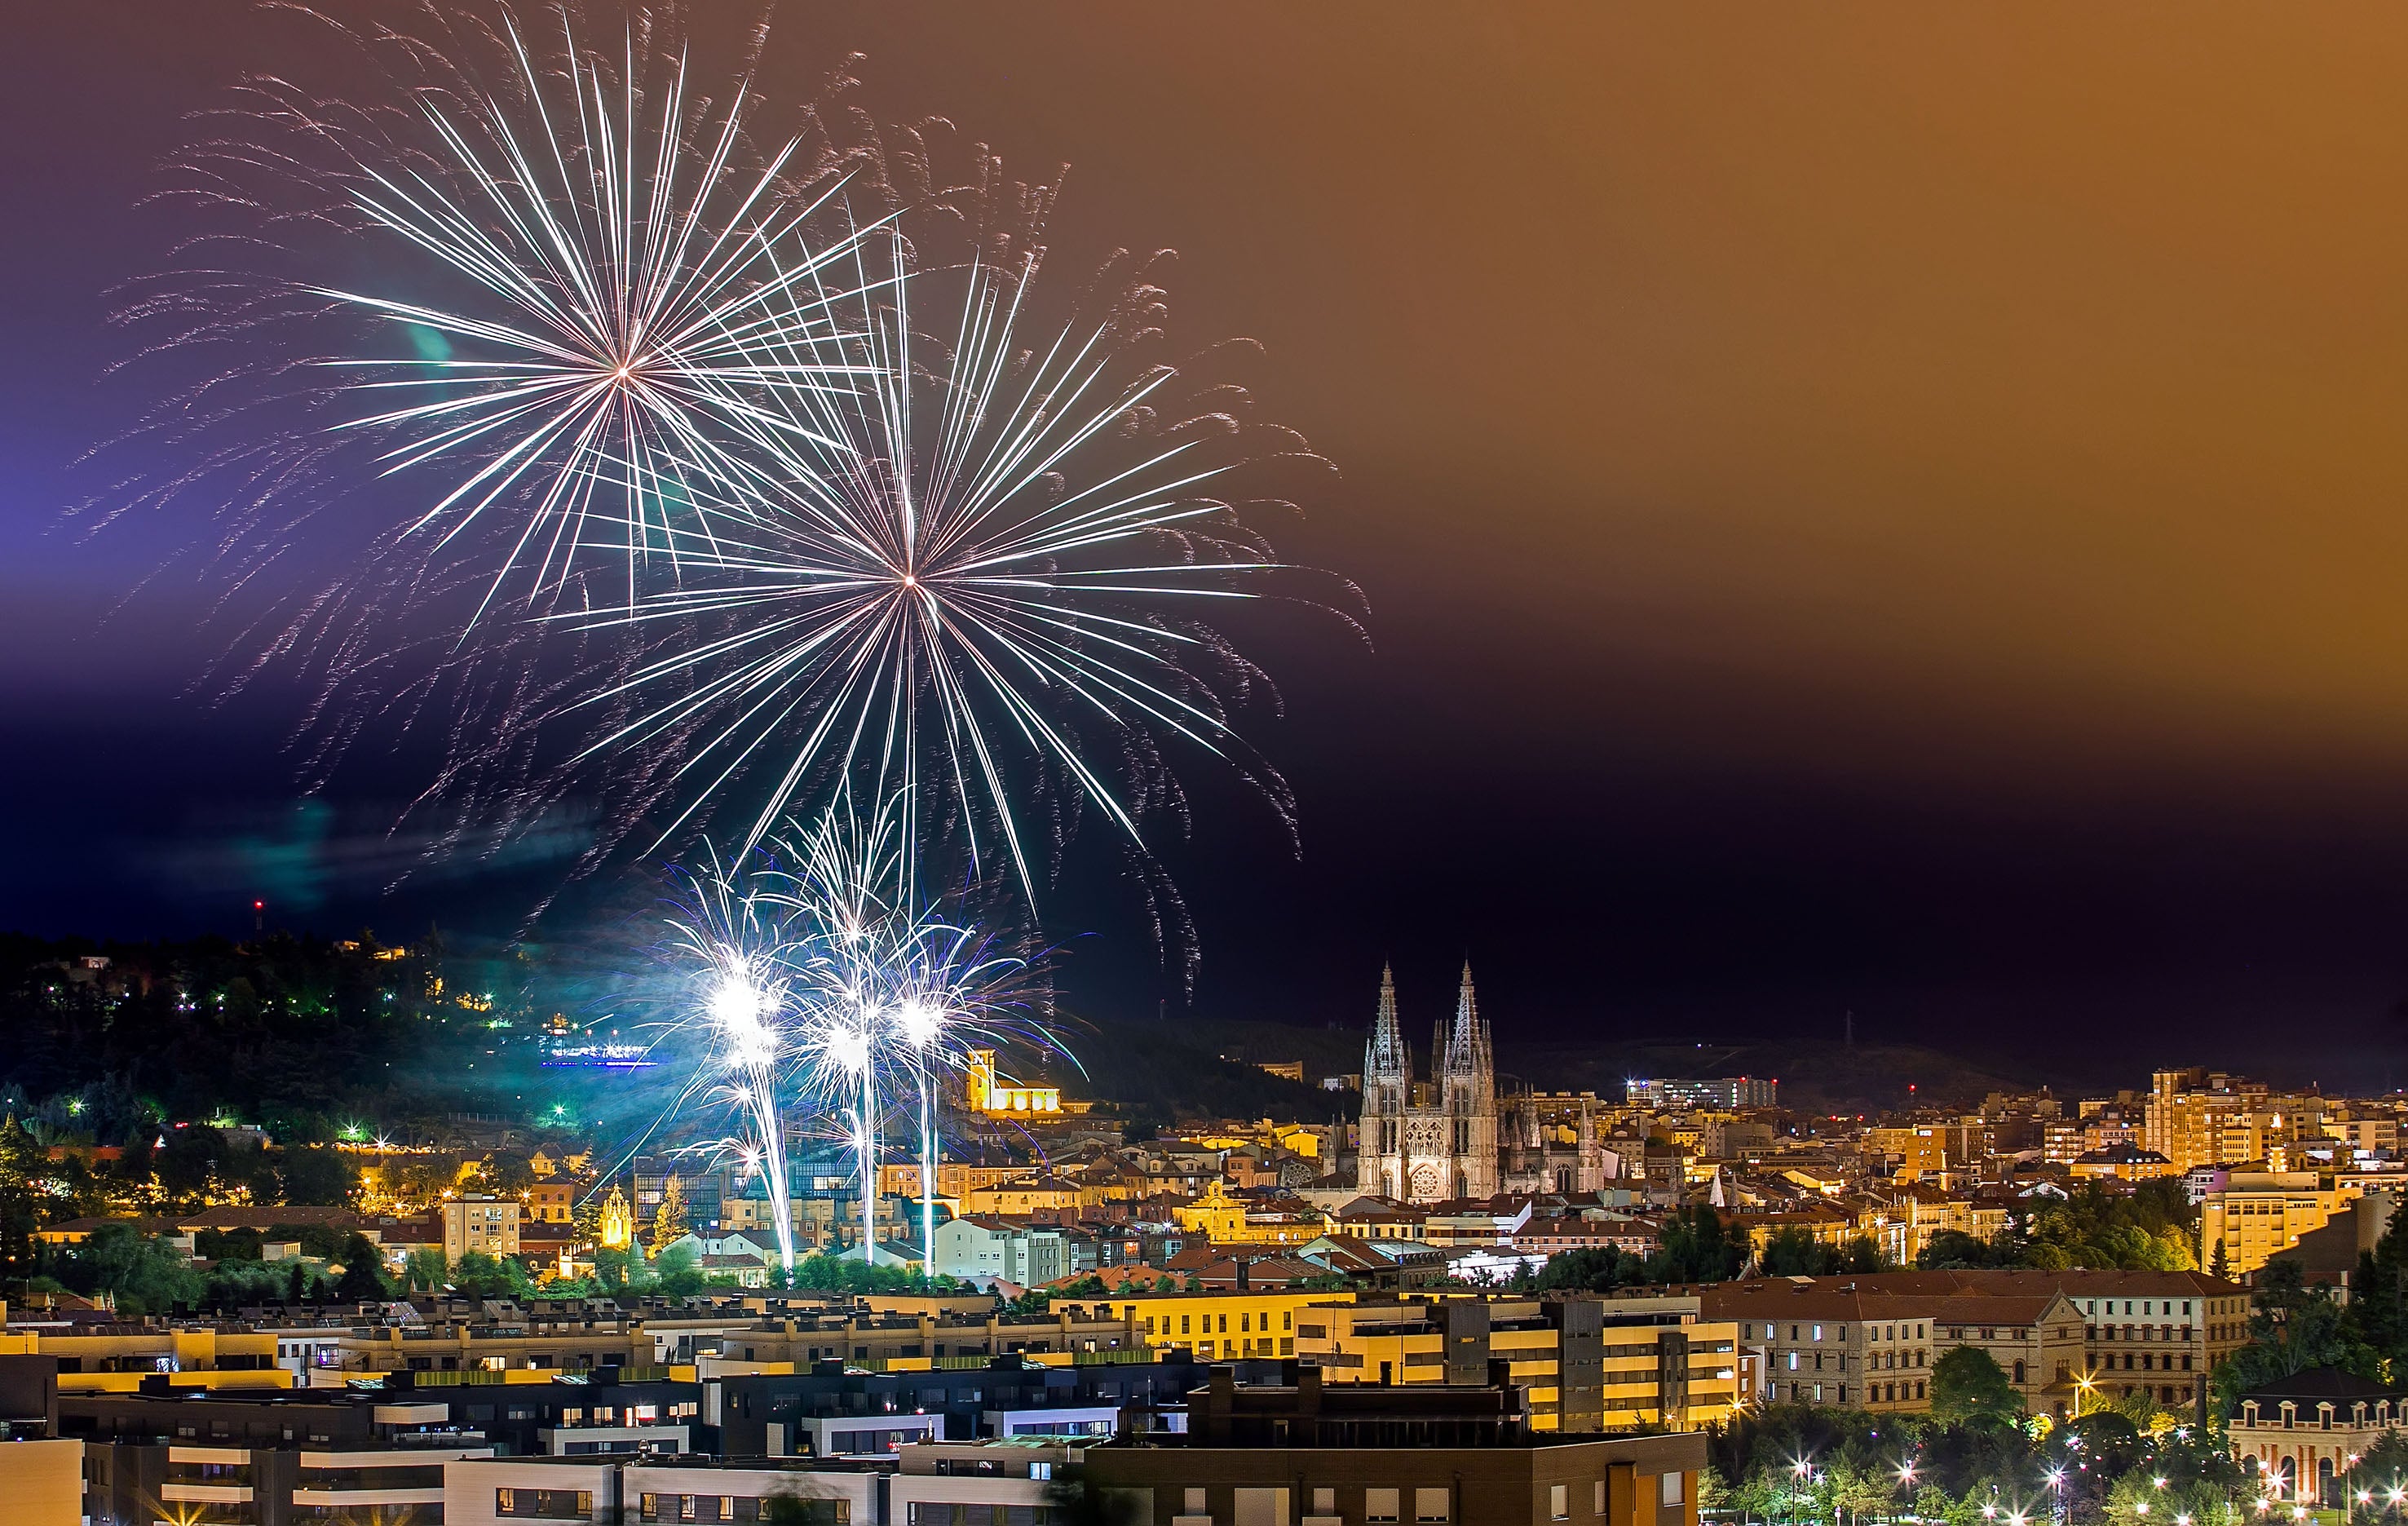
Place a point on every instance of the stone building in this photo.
(1452, 1136)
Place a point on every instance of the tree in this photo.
(1793, 1253)
(24, 1164)
(1952, 1248)
(2292, 1328)
(2378, 1298)
(611, 1267)
(1970, 1387)
(669, 1221)
(142, 1275)
(1695, 1249)
(318, 1176)
(1597, 1269)
(480, 1276)
(363, 1275)
(675, 1271)
(425, 1270)
(509, 1174)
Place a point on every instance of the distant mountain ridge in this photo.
(1187, 1065)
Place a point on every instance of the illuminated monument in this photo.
(1448, 1137)
(986, 1095)
(618, 1229)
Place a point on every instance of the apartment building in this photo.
(831, 1410)
(1585, 1364)
(2258, 1213)
(2119, 1333)
(2159, 1332)
(487, 1225)
(261, 1455)
(1433, 1455)
(1858, 1345)
(2188, 1114)
(552, 1202)
(1226, 1325)
(977, 1247)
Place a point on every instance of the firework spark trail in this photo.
(939, 562)
(893, 991)
(730, 941)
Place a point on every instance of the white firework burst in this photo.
(964, 555)
(628, 274)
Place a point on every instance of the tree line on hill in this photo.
(2151, 1230)
(111, 1040)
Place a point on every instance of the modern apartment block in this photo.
(1306, 1453)
(487, 1225)
(1727, 1092)
(1587, 1364)
(2256, 1213)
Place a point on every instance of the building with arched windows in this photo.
(1452, 1136)
(2302, 1433)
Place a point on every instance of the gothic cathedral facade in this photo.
(1428, 1143)
(1446, 1138)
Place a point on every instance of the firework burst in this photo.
(897, 993)
(962, 554)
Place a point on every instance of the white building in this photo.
(978, 1247)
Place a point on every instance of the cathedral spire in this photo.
(1386, 1057)
(1466, 1041)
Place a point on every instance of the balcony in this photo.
(182, 1493)
(368, 1496)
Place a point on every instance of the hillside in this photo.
(1188, 1066)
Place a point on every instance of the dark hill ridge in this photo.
(1189, 1066)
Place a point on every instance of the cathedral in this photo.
(1446, 1138)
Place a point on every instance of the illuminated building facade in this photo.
(988, 1095)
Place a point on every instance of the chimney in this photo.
(1308, 1389)
(1220, 1403)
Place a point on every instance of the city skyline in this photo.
(1308, 766)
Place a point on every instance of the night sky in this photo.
(1862, 509)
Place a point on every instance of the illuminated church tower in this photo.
(1428, 1141)
(1466, 1081)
